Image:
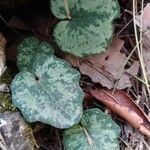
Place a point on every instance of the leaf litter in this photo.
(126, 73)
(145, 28)
(108, 67)
(123, 105)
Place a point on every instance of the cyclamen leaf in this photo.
(101, 133)
(90, 29)
(51, 94)
(27, 51)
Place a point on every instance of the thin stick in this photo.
(125, 143)
(126, 25)
(87, 135)
(121, 71)
(146, 144)
(2, 147)
(138, 49)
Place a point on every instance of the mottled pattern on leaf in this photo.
(51, 95)
(102, 131)
(90, 29)
(28, 49)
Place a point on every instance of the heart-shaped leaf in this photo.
(50, 94)
(96, 132)
(27, 51)
(89, 28)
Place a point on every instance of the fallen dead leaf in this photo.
(123, 105)
(106, 68)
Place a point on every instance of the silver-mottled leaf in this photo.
(28, 49)
(50, 94)
(90, 29)
(96, 132)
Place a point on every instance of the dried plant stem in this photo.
(126, 24)
(125, 143)
(87, 135)
(139, 79)
(140, 47)
(122, 69)
(67, 9)
(148, 147)
(2, 147)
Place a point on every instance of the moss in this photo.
(5, 98)
(5, 102)
(6, 77)
(29, 134)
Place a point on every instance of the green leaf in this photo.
(50, 94)
(90, 29)
(96, 132)
(28, 49)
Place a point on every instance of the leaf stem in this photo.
(87, 135)
(67, 9)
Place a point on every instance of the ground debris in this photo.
(123, 105)
(108, 67)
(145, 28)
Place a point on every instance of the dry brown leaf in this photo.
(123, 105)
(106, 68)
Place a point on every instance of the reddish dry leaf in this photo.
(106, 68)
(123, 105)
